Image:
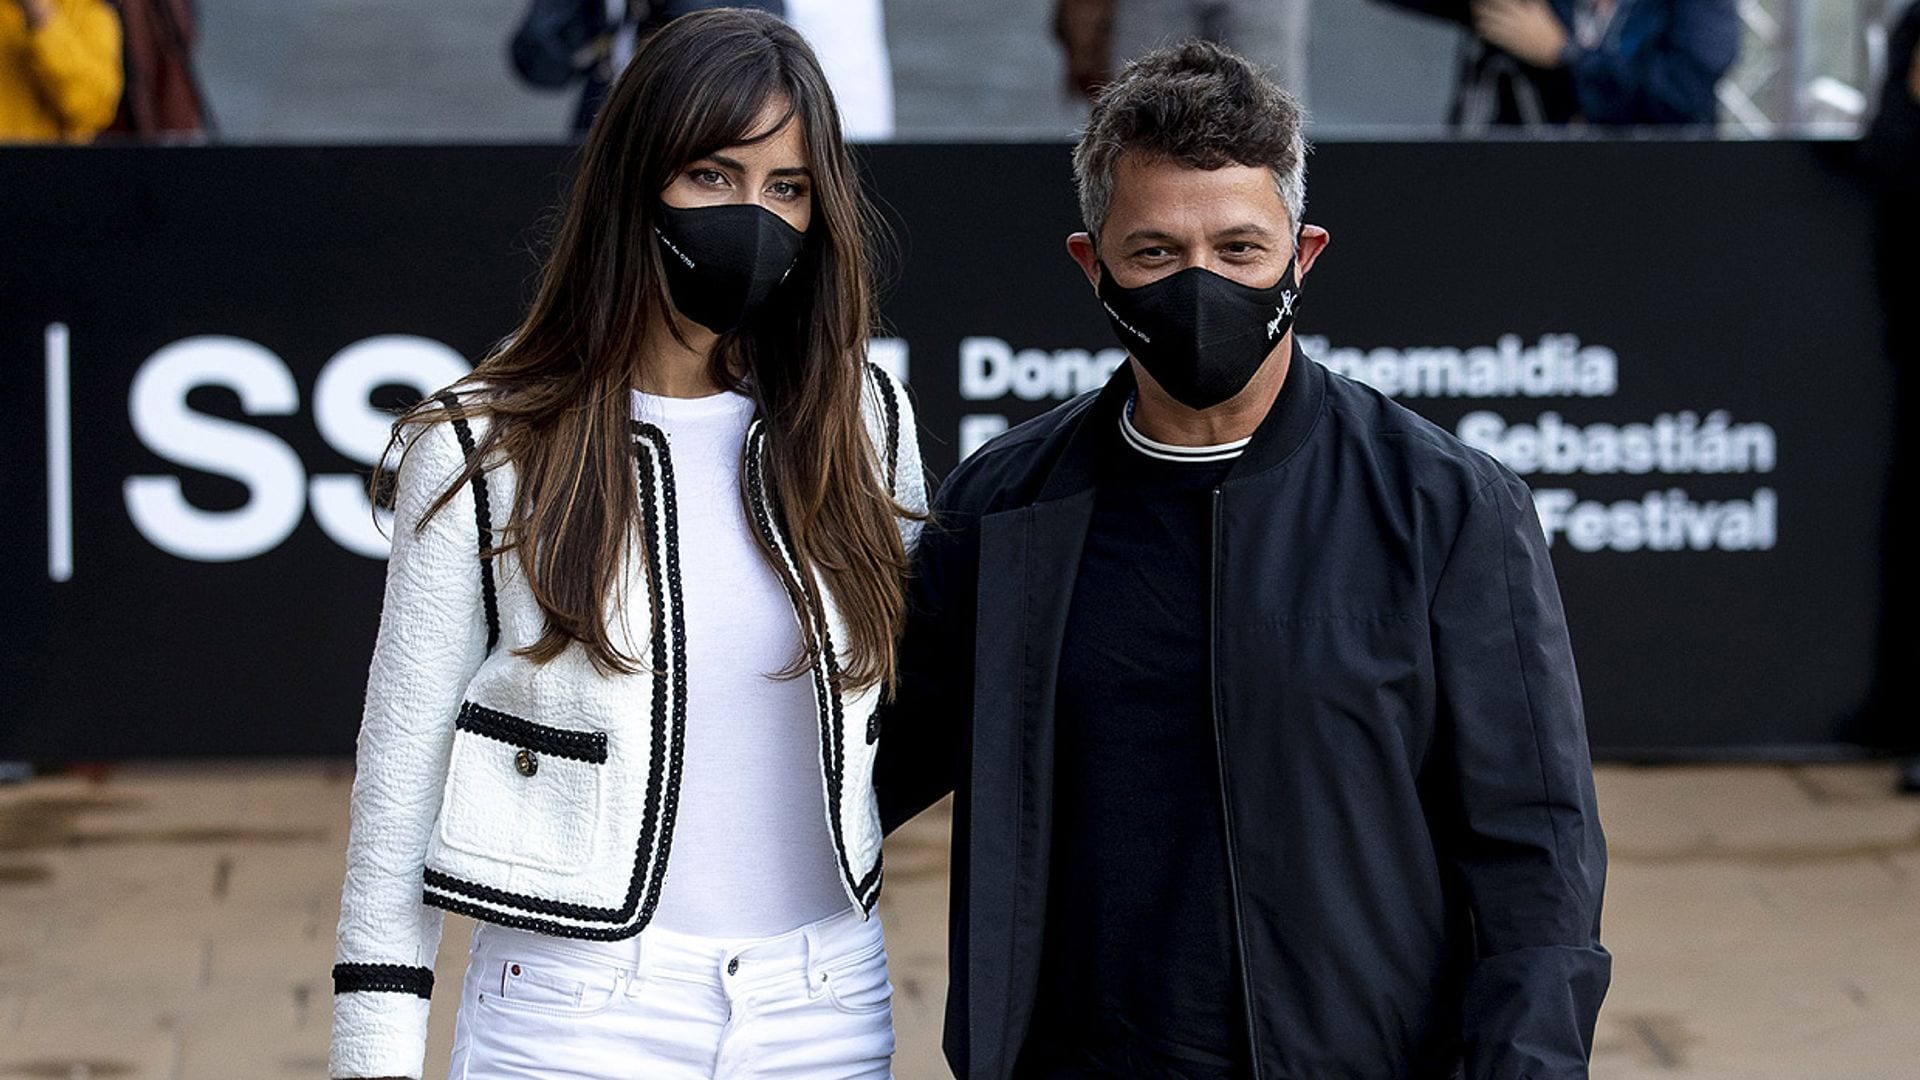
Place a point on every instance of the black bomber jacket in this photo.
(1414, 859)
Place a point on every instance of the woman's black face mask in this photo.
(1200, 335)
(725, 262)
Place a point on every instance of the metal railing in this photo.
(1781, 85)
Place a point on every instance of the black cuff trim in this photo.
(587, 746)
(390, 978)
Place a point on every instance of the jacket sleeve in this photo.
(1668, 80)
(922, 745)
(432, 639)
(75, 58)
(1517, 826)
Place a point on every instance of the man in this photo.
(1253, 687)
(1602, 62)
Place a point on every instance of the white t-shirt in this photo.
(751, 854)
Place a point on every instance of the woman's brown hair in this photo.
(556, 392)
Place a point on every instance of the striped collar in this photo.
(1189, 455)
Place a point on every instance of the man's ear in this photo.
(1313, 241)
(1080, 245)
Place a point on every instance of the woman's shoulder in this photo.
(435, 440)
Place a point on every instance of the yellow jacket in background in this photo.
(61, 81)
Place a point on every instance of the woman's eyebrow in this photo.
(726, 162)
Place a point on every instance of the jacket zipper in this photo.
(1220, 760)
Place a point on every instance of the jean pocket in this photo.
(531, 986)
(858, 985)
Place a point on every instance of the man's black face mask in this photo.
(725, 262)
(1200, 335)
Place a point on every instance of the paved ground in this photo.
(177, 924)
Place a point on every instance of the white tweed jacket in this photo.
(542, 796)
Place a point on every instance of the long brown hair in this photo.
(556, 392)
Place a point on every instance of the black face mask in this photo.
(1201, 336)
(725, 262)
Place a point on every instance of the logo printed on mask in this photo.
(1124, 325)
(729, 260)
(1281, 314)
(673, 247)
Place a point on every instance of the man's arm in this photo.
(1671, 79)
(1513, 797)
(923, 729)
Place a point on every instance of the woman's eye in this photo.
(709, 177)
(787, 189)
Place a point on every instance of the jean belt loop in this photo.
(816, 963)
(636, 974)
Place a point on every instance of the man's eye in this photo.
(1242, 248)
(1152, 253)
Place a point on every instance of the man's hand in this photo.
(1526, 28)
(1084, 29)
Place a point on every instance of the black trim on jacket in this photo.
(826, 672)
(890, 406)
(587, 746)
(482, 515)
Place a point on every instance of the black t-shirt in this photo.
(1138, 971)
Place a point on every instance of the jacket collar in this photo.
(1288, 423)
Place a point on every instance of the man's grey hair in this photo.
(1200, 104)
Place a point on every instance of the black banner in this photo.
(1677, 344)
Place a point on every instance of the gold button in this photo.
(526, 762)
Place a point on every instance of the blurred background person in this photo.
(850, 38)
(1098, 36)
(1602, 62)
(1890, 151)
(59, 69)
(162, 99)
(560, 42)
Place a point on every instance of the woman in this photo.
(645, 584)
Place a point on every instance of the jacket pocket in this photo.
(521, 792)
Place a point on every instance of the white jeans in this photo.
(814, 1003)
